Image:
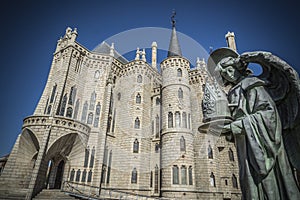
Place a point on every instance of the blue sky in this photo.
(30, 30)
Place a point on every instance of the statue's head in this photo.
(225, 65)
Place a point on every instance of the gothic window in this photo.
(97, 74)
(139, 78)
(76, 109)
(190, 175)
(134, 176)
(157, 100)
(189, 121)
(179, 72)
(96, 121)
(234, 181)
(180, 93)
(92, 100)
(177, 119)
(109, 166)
(170, 120)
(175, 174)
(151, 178)
(78, 175)
(182, 144)
(157, 126)
(86, 157)
(156, 148)
(212, 180)
(84, 111)
(90, 176)
(90, 118)
(137, 123)
(92, 158)
(49, 110)
(210, 152)
(135, 146)
(103, 174)
(69, 112)
(63, 105)
(156, 180)
(109, 124)
(184, 120)
(72, 175)
(183, 175)
(83, 176)
(230, 153)
(53, 93)
(114, 121)
(119, 96)
(138, 98)
(98, 107)
(72, 95)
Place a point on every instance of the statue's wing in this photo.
(283, 85)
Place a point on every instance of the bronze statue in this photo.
(265, 121)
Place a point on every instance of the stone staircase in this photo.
(52, 195)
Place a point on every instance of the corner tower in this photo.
(177, 138)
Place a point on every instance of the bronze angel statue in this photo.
(266, 121)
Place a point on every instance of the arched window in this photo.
(157, 126)
(92, 158)
(183, 175)
(69, 112)
(53, 93)
(96, 121)
(212, 179)
(138, 98)
(179, 72)
(184, 120)
(83, 176)
(156, 148)
(139, 78)
(190, 175)
(180, 93)
(182, 144)
(86, 157)
(97, 74)
(135, 146)
(49, 110)
(90, 176)
(76, 109)
(90, 118)
(72, 175)
(93, 100)
(109, 166)
(72, 95)
(63, 105)
(234, 181)
(119, 96)
(230, 153)
(175, 174)
(156, 180)
(189, 121)
(98, 107)
(177, 119)
(170, 120)
(151, 178)
(210, 152)
(134, 176)
(78, 175)
(157, 100)
(137, 123)
(84, 111)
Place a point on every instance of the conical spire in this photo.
(174, 47)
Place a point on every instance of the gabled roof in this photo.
(104, 48)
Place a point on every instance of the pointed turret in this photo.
(174, 47)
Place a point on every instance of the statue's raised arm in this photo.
(265, 119)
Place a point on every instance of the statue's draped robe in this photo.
(265, 172)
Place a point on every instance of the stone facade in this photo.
(105, 125)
